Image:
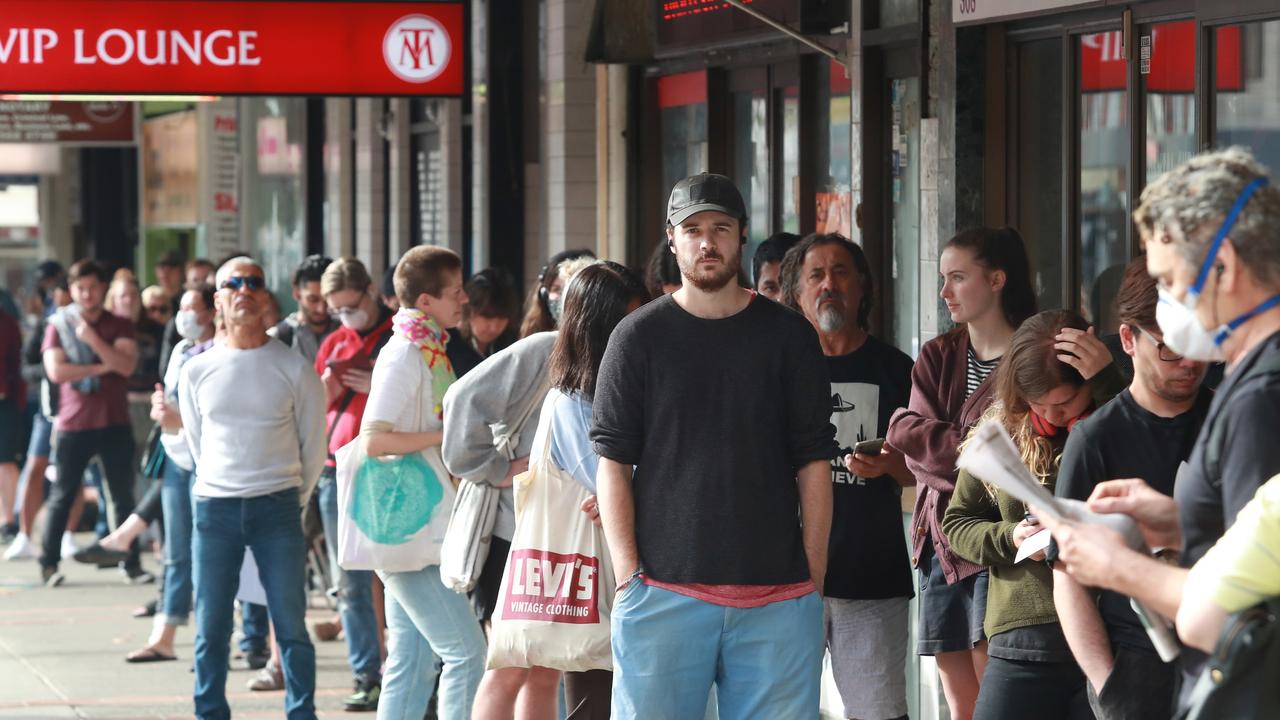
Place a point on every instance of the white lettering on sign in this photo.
(222, 47)
(967, 11)
(551, 587)
(416, 48)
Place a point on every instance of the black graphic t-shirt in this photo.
(868, 558)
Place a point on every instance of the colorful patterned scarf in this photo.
(418, 328)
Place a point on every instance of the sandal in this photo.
(148, 655)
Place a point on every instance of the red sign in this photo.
(1171, 67)
(71, 123)
(552, 587)
(231, 48)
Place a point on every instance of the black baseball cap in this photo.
(48, 270)
(703, 192)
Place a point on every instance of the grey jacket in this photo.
(482, 405)
(78, 351)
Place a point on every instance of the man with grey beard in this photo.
(868, 588)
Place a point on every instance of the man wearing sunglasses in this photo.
(1147, 431)
(253, 411)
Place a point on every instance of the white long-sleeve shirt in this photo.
(254, 421)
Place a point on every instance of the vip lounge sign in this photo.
(231, 48)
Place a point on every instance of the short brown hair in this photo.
(87, 268)
(1137, 297)
(423, 269)
(346, 273)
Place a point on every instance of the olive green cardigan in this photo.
(980, 529)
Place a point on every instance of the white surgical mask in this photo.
(1183, 331)
(189, 325)
(356, 319)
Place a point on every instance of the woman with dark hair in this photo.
(595, 301)
(1039, 397)
(662, 273)
(542, 309)
(988, 291)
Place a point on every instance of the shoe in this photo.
(148, 655)
(267, 679)
(9, 532)
(20, 549)
(146, 611)
(365, 698)
(51, 576)
(326, 631)
(96, 554)
(137, 576)
(69, 547)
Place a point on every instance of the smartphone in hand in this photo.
(869, 447)
(356, 362)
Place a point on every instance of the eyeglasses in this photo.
(235, 282)
(157, 308)
(1164, 352)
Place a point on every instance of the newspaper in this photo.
(991, 455)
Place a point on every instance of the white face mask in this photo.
(189, 325)
(356, 319)
(1183, 331)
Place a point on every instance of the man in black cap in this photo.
(712, 422)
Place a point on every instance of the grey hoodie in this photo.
(483, 404)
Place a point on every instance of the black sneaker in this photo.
(95, 554)
(51, 576)
(365, 698)
(257, 659)
(137, 576)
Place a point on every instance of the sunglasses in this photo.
(236, 282)
(157, 308)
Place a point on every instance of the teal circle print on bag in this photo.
(394, 499)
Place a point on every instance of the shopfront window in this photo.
(904, 139)
(1039, 193)
(751, 161)
(682, 104)
(1104, 175)
(1247, 89)
(1169, 79)
(899, 12)
(791, 159)
(833, 152)
(276, 129)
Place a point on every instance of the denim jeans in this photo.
(255, 626)
(668, 649)
(75, 449)
(355, 591)
(271, 526)
(426, 619)
(175, 498)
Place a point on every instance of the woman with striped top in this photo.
(987, 289)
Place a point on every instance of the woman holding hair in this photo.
(1039, 397)
(987, 288)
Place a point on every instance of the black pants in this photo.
(1140, 687)
(114, 446)
(588, 694)
(1017, 690)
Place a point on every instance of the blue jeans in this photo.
(355, 591)
(175, 498)
(425, 618)
(271, 526)
(255, 627)
(668, 649)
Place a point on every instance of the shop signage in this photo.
(969, 11)
(1166, 58)
(231, 48)
(682, 25)
(68, 123)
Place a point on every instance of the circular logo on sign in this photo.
(416, 48)
(104, 112)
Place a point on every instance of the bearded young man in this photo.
(712, 414)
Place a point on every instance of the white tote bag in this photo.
(558, 586)
(392, 511)
(475, 512)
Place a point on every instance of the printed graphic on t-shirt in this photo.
(855, 410)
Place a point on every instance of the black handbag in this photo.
(1239, 679)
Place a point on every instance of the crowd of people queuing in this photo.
(744, 444)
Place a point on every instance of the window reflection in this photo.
(1247, 89)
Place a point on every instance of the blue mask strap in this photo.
(1231, 326)
(1227, 224)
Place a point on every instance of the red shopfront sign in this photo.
(1172, 67)
(231, 48)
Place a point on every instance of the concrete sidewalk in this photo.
(62, 653)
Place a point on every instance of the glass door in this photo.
(902, 285)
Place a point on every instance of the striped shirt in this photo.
(978, 371)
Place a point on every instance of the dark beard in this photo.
(712, 280)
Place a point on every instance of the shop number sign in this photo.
(967, 11)
(226, 48)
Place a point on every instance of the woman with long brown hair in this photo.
(1039, 397)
